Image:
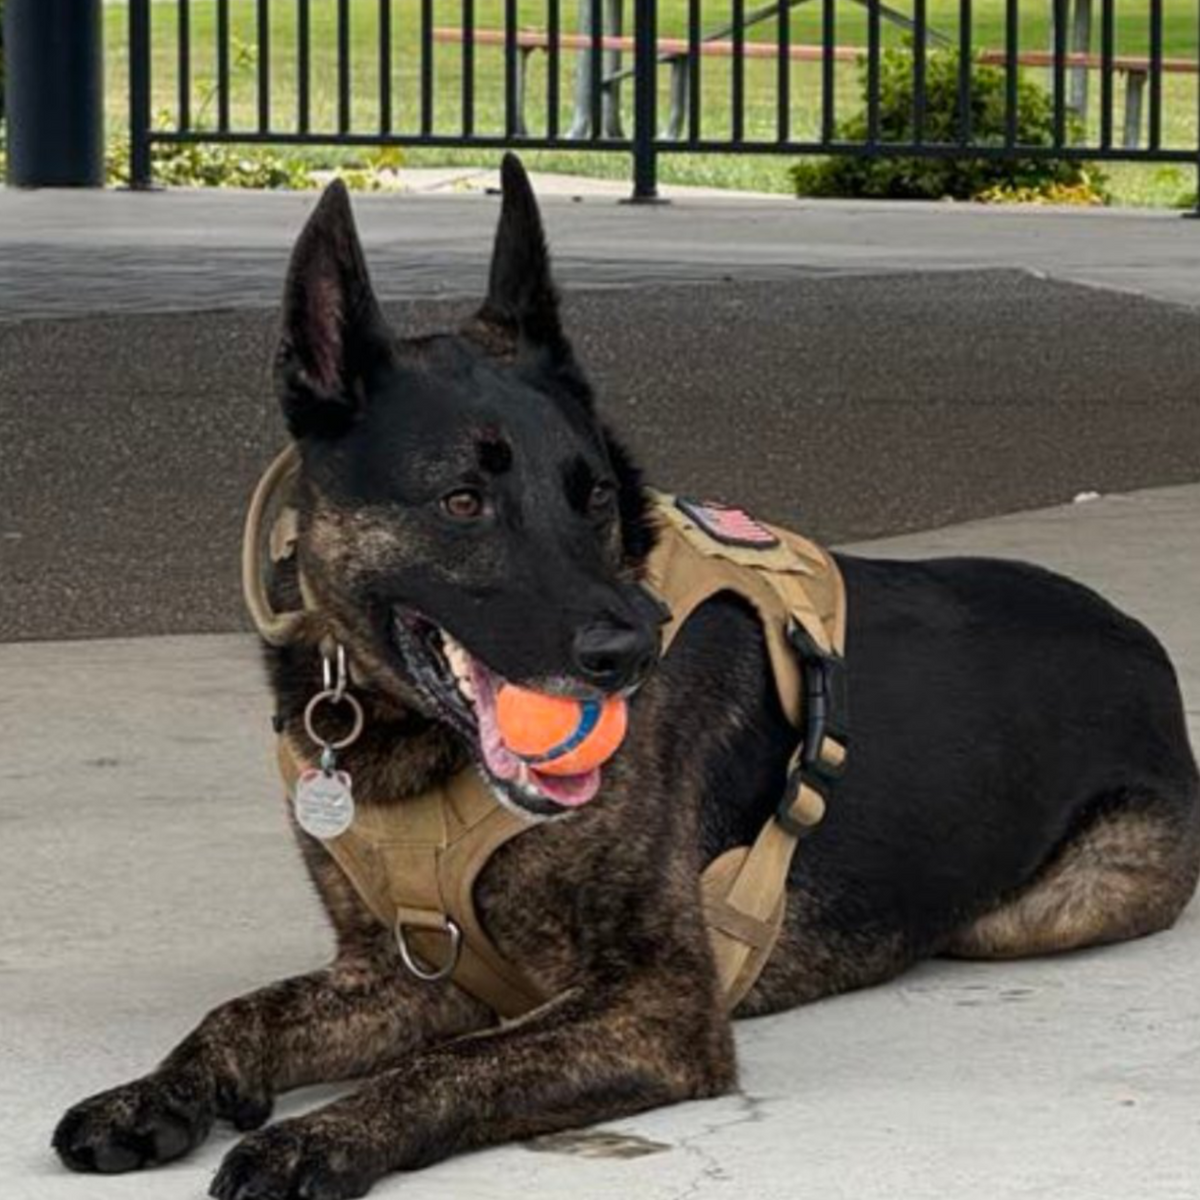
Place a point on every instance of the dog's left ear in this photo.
(334, 333)
(522, 301)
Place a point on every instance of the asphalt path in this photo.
(848, 406)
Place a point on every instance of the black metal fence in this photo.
(682, 76)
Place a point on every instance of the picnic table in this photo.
(1080, 63)
(677, 53)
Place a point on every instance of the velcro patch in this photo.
(729, 526)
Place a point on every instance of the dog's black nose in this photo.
(612, 656)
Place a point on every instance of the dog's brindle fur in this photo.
(1019, 781)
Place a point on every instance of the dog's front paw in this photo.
(140, 1124)
(304, 1159)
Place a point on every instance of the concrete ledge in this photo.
(63, 253)
(145, 875)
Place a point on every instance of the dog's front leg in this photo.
(355, 1018)
(580, 1059)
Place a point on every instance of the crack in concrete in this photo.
(750, 1110)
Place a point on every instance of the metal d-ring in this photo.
(415, 968)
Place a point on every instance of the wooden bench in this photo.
(1135, 70)
(676, 53)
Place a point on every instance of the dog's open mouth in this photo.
(463, 692)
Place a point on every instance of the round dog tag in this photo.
(323, 803)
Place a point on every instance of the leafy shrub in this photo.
(221, 165)
(374, 172)
(995, 180)
(208, 165)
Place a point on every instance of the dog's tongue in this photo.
(571, 791)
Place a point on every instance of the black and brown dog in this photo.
(1020, 782)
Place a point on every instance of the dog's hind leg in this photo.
(1127, 873)
(355, 1018)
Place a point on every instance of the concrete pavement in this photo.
(70, 253)
(145, 875)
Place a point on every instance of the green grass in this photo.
(1130, 183)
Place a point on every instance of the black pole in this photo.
(54, 84)
(1194, 212)
(645, 47)
(141, 167)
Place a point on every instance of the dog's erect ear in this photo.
(333, 330)
(521, 298)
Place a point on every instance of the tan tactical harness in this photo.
(415, 863)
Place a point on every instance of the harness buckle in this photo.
(823, 679)
(826, 703)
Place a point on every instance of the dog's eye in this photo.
(463, 504)
(602, 496)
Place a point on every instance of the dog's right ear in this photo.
(522, 301)
(333, 331)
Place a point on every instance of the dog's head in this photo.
(465, 518)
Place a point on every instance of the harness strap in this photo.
(415, 862)
(275, 627)
(801, 601)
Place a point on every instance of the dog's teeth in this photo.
(456, 656)
(459, 662)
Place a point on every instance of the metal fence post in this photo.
(645, 101)
(54, 80)
(1081, 43)
(141, 171)
(1194, 212)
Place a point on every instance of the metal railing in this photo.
(734, 80)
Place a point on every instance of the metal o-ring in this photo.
(415, 968)
(331, 696)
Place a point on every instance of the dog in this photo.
(1019, 780)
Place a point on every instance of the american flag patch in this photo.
(730, 526)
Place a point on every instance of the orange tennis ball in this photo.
(556, 735)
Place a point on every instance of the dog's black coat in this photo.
(996, 709)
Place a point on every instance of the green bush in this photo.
(223, 166)
(201, 165)
(996, 180)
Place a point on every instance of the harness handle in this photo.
(276, 628)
